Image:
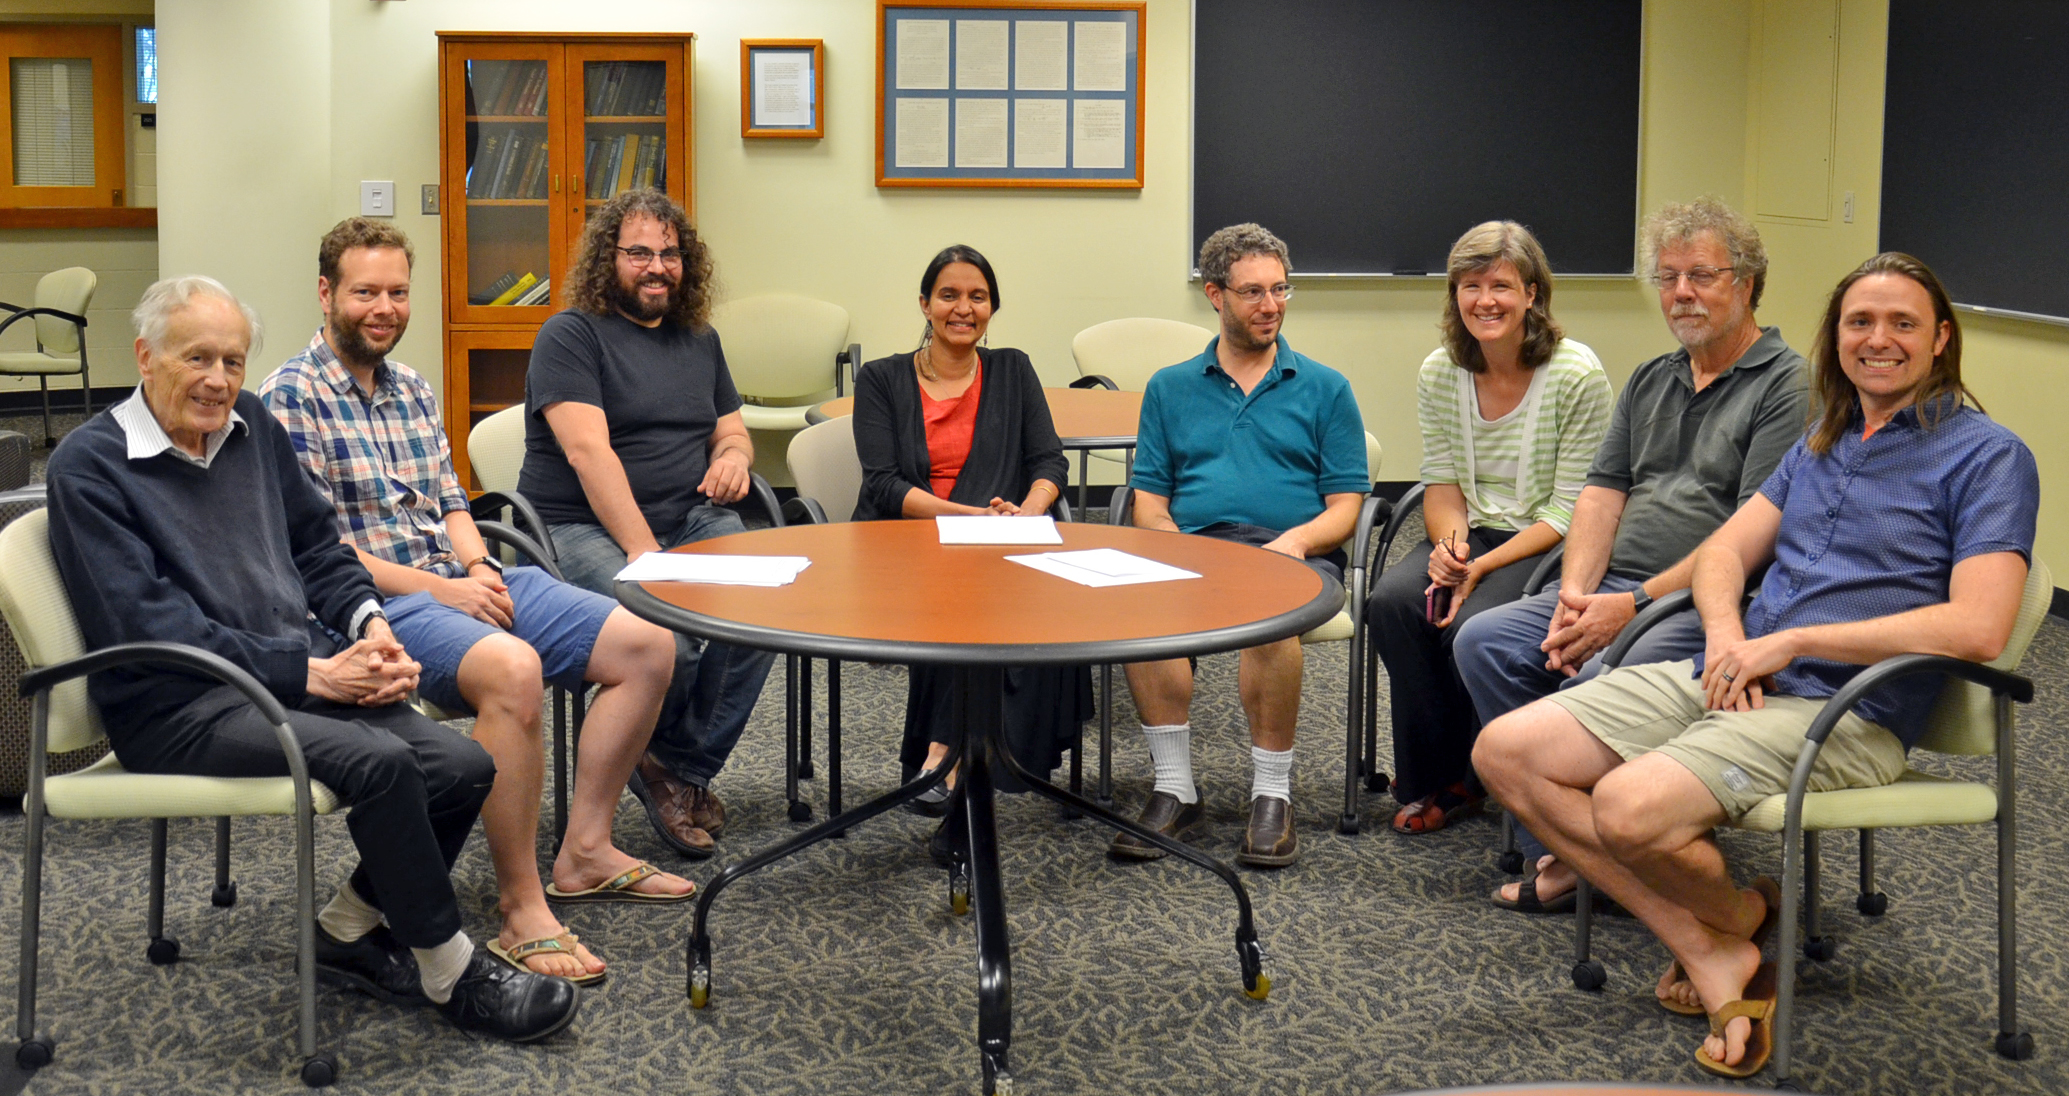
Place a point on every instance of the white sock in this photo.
(1171, 752)
(439, 968)
(1271, 773)
(348, 917)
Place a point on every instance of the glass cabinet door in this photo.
(509, 175)
(630, 138)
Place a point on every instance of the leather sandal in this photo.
(1757, 1005)
(1437, 810)
(1769, 890)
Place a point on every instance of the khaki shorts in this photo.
(1742, 757)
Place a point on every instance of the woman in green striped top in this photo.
(1511, 413)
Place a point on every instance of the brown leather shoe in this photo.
(669, 807)
(1269, 841)
(706, 812)
(1164, 814)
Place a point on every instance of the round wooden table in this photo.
(888, 591)
(1085, 418)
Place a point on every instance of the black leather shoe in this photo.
(1164, 814)
(1269, 840)
(510, 1004)
(932, 803)
(951, 842)
(375, 964)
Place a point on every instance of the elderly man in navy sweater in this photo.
(181, 515)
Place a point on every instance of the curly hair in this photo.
(1481, 247)
(593, 276)
(1235, 243)
(1682, 223)
(1833, 394)
(358, 232)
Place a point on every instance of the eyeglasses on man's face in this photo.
(1701, 277)
(1255, 294)
(645, 256)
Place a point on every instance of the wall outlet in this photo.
(1846, 210)
(377, 198)
(431, 199)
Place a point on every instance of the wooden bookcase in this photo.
(534, 131)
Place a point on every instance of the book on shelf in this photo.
(485, 160)
(537, 294)
(516, 290)
(495, 289)
(514, 145)
(627, 164)
(534, 185)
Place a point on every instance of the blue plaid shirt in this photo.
(381, 459)
(1875, 527)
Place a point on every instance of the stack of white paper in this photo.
(1103, 567)
(723, 570)
(997, 529)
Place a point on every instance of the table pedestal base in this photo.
(974, 881)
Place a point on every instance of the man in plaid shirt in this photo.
(368, 432)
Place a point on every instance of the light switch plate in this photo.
(377, 198)
(431, 199)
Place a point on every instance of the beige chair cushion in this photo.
(1962, 721)
(823, 462)
(1128, 351)
(32, 597)
(1914, 800)
(495, 447)
(104, 790)
(757, 417)
(28, 361)
(67, 290)
(1335, 628)
(780, 347)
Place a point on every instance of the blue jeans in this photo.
(1499, 659)
(715, 685)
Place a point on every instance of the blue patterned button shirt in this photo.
(381, 459)
(1875, 527)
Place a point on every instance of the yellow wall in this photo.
(282, 108)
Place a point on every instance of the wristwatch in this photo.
(493, 562)
(1640, 599)
(367, 622)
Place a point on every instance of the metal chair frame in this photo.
(19, 314)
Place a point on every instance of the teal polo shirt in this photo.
(1268, 458)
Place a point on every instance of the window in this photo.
(61, 100)
(147, 65)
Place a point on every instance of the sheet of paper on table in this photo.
(724, 570)
(1103, 567)
(997, 529)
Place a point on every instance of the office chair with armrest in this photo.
(786, 352)
(34, 603)
(62, 297)
(1972, 718)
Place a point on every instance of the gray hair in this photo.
(1682, 223)
(1233, 244)
(168, 295)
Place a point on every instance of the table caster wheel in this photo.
(1872, 905)
(1259, 988)
(959, 889)
(700, 986)
(1511, 863)
(1820, 948)
(800, 811)
(319, 1071)
(37, 1052)
(2018, 1046)
(223, 897)
(1002, 1084)
(1347, 824)
(1589, 975)
(1257, 985)
(163, 951)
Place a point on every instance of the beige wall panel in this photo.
(1795, 93)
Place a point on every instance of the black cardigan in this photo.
(1013, 444)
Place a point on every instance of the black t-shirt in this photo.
(662, 389)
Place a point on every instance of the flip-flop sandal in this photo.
(619, 889)
(1758, 1006)
(1771, 892)
(1429, 814)
(563, 944)
(1526, 900)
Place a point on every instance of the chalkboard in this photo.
(1370, 134)
(1975, 147)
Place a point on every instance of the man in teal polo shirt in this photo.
(1251, 442)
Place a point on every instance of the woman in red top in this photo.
(958, 428)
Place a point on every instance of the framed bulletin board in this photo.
(1026, 93)
(782, 87)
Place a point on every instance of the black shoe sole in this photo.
(345, 979)
(1144, 852)
(638, 786)
(1262, 860)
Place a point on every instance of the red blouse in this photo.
(950, 424)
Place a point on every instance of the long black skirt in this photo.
(1045, 712)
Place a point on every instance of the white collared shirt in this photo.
(147, 438)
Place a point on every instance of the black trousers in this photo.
(1433, 717)
(414, 785)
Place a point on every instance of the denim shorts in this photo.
(559, 621)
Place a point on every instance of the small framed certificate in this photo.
(782, 87)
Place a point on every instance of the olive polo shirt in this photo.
(1687, 459)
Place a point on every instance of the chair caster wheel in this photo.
(700, 986)
(2018, 1046)
(163, 951)
(800, 811)
(1589, 975)
(223, 897)
(1820, 948)
(37, 1053)
(1378, 782)
(959, 889)
(320, 1071)
(1511, 863)
(804, 770)
(1872, 905)
(1071, 814)
(1347, 824)
(1787, 1085)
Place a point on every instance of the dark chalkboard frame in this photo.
(1586, 218)
(1972, 183)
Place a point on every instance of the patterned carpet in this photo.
(843, 971)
